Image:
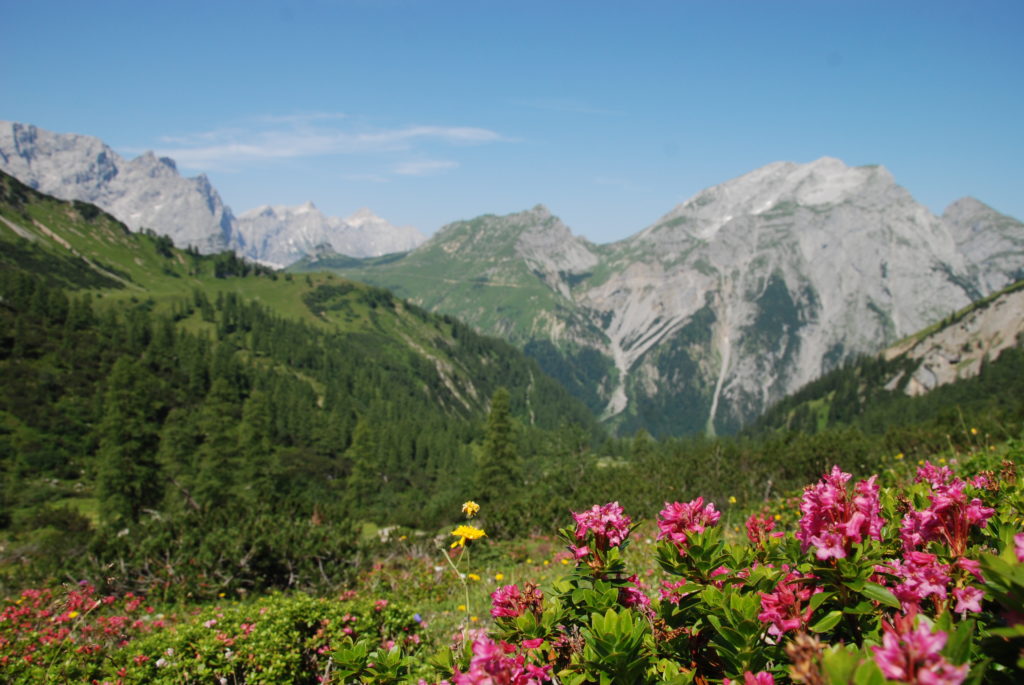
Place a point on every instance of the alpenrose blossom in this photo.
(749, 678)
(491, 666)
(1018, 546)
(967, 599)
(608, 523)
(920, 575)
(788, 608)
(912, 655)
(677, 520)
(950, 516)
(633, 595)
(758, 528)
(832, 520)
(509, 601)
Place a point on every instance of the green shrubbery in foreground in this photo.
(912, 575)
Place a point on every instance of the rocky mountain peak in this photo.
(772, 188)
(148, 192)
(361, 215)
(993, 243)
(966, 207)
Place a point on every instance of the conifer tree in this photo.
(365, 478)
(127, 473)
(499, 472)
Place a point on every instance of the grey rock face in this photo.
(992, 243)
(738, 296)
(801, 266)
(146, 192)
(282, 235)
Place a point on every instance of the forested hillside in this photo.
(152, 397)
(884, 394)
(196, 425)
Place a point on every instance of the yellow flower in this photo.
(899, 456)
(472, 576)
(470, 508)
(464, 533)
(565, 562)
(546, 562)
(461, 607)
(72, 614)
(402, 538)
(778, 517)
(974, 431)
(473, 618)
(732, 499)
(499, 576)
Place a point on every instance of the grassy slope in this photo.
(81, 247)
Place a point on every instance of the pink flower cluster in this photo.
(509, 601)
(832, 520)
(912, 655)
(758, 528)
(492, 665)
(920, 576)
(608, 523)
(749, 678)
(788, 608)
(633, 595)
(677, 520)
(950, 516)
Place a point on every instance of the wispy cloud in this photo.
(311, 135)
(424, 167)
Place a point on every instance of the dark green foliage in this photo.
(176, 439)
(581, 372)
(57, 270)
(856, 395)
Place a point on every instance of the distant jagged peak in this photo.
(967, 206)
(363, 215)
(280, 211)
(824, 181)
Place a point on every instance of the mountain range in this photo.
(730, 301)
(148, 192)
(697, 323)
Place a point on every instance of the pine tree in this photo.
(499, 472)
(364, 481)
(127, 473)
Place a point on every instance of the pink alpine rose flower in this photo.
(832, 520)
(912, 655)
(509, 601)
(491, 666)
(788, 608)
(677, 520)
(608, 523)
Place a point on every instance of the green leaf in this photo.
(958, 649)
(818, 599)
(880, 594)
(829, 622)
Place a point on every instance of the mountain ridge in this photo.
(737, 296)
(148, 192)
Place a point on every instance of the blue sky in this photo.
(609, 113)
